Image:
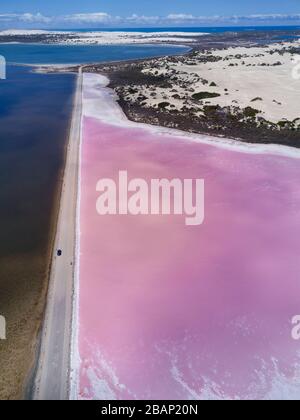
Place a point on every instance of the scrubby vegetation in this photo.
(161, 92)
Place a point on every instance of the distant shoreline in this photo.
(129, 73)
(139, 36)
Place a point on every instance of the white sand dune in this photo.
(257, 77)
(25, 32)
(107, 37)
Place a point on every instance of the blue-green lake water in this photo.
(81, 54)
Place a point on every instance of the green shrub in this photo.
(205, 95)
(163, 105)
(250, 112)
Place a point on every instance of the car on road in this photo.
(59, 253)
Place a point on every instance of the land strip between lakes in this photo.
(53, 370)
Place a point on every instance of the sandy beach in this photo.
(164, 311)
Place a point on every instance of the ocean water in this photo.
(208, 29)
(80, 54)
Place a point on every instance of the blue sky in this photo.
(103, 13)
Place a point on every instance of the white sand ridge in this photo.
(258, 77)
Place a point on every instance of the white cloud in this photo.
(142, 19)
(32, 18)
(105, 19)
(88, 18)
(25, 17)
(180, 16)
(273, 16)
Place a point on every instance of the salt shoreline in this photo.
(117, 116)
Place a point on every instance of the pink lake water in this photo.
(169, 311)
